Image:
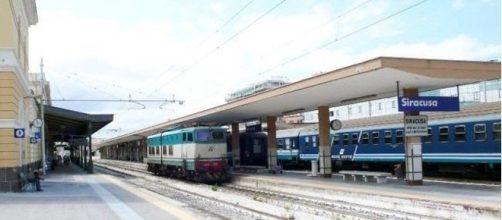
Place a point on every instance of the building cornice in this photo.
(30, 9)
(8, 62)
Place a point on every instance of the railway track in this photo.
(337, 205)
(216, 208)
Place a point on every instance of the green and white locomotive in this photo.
(195, 153)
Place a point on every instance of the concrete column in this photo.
(236, 149)
(271, 142)
(413, 149)
(90, 168)
(324, 146)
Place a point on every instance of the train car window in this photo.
(459, 133)
(355, 138)
(288, 143)
(256, 146)
(399, 137)
(314, 141)
(307, 139)
(496, 131)
(365, 138)
(280, 143)
(190, 137)
(479, 132)
(170, 150)
(184, 137)
(345, 139)
(157, 150)
(293, 143)
(164, 150)
(443, 134)
(375, 137)
(428, 138)
(387, 137)
(336, 140)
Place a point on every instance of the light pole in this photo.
(42, 98)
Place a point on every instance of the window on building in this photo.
(479, 132)
(337, 112)
(355, 137)
(331, 113)
(379, 106)
(443, 134)
(399, 136)
(387, 137)
(170, 150)
(460, 133)
(365, 138)
(360, 109)
(345, 139)
(375, 137)
(496, 131)
(349, 110)
(428, 138)
(393, 103)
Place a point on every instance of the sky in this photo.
(200, 51)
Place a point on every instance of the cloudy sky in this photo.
(199, 51)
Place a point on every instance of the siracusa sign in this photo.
(428, 103)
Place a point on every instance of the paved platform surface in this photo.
(474, 195)
(70, 193)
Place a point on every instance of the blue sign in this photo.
(38, 136)
(19, 132)
(428, 104)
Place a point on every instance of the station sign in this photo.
(38, 136)
(415, 125)
(428, 103)
(19, 133)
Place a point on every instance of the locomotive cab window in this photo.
(479, 132)
(375, 137)
(387, 137)
(460, 133)
(428, 138)
(496, 131)
(399, 137)
(443, 134)
(355, 137)
(365, 138)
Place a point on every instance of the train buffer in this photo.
(381, 177)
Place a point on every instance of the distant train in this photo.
(196, 154)
(467, 142)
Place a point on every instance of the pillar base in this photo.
(414, 182)
(326, 175)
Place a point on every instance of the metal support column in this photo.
(90, 168)
(324, 146)
(272, 142)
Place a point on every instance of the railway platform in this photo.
(473, 195)
(70, 193)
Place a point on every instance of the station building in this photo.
(18, 100)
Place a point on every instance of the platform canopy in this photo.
(64, 125)
(368, 80)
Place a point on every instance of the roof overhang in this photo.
(369, 80)
(64, 125)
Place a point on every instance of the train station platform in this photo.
(474, 195)
(70, 193)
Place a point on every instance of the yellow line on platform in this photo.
(153, 198)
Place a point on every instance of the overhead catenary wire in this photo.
(284, 63)
(185, 70)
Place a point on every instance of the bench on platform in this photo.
(26, 182)
(381, 177)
